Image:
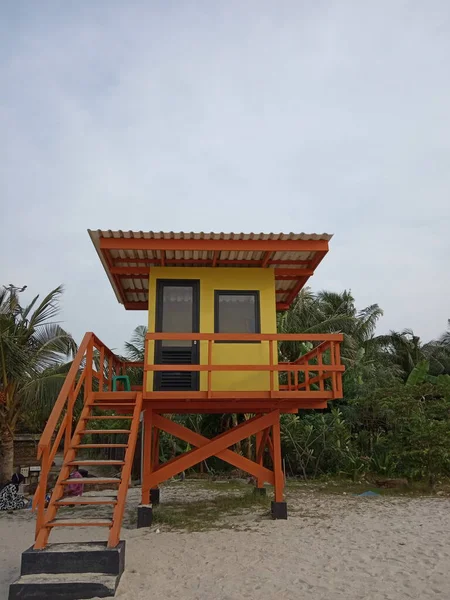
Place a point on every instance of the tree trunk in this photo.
(6, 454)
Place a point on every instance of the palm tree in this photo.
(33, 361)
(313, 313)
(134, 349)
(406, 351)
(331, 312)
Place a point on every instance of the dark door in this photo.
(177, 311)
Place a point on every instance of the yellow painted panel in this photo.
(212, 279)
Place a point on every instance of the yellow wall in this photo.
(212, 279)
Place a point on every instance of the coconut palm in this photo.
(331, 312)
(135, 351)
(406, 351)
(34, 350)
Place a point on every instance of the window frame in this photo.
(256, 295)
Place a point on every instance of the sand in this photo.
(332, 547)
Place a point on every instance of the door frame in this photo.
(195, 350)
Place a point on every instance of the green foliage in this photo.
(33, 353)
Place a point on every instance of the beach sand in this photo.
(332, 547)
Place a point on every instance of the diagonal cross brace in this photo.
(197, 440)
(216, 447)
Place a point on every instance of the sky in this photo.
(228, 116)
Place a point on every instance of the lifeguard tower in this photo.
(211, 347)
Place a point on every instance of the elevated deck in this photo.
(309, 382)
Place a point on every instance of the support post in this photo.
(259, 456)
(154, 492)
(279, 508)
(147, 456)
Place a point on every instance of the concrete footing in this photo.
(69, 572)
(154, 496)
(279, 510)
(144, 515)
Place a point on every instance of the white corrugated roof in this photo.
(134, 288)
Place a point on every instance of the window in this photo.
(237, 312)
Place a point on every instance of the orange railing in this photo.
(93, 361)
(321, 367)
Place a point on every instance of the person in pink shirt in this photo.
(75, 489)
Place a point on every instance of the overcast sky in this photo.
(228, 116)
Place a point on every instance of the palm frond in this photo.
(47, 309)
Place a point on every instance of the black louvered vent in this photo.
(176, 380)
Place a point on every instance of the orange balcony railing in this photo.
(317, 373)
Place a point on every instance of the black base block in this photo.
(63, 587)
(145, 516)
(79, 557)
(279, 510)
(154, 496)
(260, 491)
(69, 572)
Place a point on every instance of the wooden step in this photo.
(87, 500)
(82, 446)
(92, 462)
(112, 417)
(131, 396)
(79, 523)
(92, 480)
(101, 431)
(112, 405)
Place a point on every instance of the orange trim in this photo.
(168, 397)
(280, 367)
(130, 270)
(202, 244)
(267, 257)
(248, 337)
(195, 261)
(136, 305)
(292, 273)
(319, 256)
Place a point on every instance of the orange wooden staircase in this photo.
(98, 405)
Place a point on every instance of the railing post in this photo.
(271, 364)
(306, 375)
(209, 388)
(88, 369)
(320, 363)
(333, 364)
(144, 382)
(110, 372)
(101, 369)
(339, 375)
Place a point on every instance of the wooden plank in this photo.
(247, 337)
(90, 522)
(104, 431)
(281, 367)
